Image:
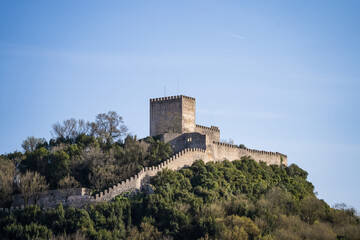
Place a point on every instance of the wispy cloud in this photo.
(235, 35)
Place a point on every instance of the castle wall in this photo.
(174, 114)
(165, 115)
(222, 151)
(178, 142)
(212, 133)
(182, 159)
(51, 198)
(188, 114)
(185, 158)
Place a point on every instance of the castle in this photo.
(172, 119)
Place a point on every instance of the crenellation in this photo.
(212, 128)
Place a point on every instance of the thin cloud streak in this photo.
(236, 36)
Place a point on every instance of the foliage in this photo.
(242, 199)
(159, 151)
(31, 185)
(7, 171)
(67, 186)
(93, 153)
(224, 200)
(31, 143)
(109, 127)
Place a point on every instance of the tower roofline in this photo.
(170, 98)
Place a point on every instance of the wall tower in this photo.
(174, 114)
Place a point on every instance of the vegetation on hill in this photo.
(94, 155)
(241, 199)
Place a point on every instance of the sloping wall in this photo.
(182, 159)
(217, 152)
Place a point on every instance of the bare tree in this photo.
(58, 130)
(30, 143)
(32, 184)
(7, 172)
(109, 126)
(83, 127)
(68, 186)
(70, 128)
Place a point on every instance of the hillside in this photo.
(228, 200)
(240, 199)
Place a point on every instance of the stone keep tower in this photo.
(174, 114)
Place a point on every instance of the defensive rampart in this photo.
(231, 152)
(182, 159)
(218, 152)
(212, 133)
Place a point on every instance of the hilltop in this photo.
(239, 199)
(242, 199)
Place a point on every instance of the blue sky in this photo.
(274, 75)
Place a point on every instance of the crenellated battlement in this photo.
(171, 98)
(226, 144)
(265, 152)
(135, 182)
(212, 128)
(250, 150)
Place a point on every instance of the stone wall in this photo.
(174, 114)
(188, 114)
(182, 159)
(217, 152)
(51, 198)
(179, 142)
(212, 133)
(222, 151)
(165, 115)
(185, 158)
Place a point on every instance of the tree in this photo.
(159, 151)
(96, 168)
(242, 146)
(108, 127)
(235, 227)
(32, 184)
(68, 186)
(7, 172)
(102, 169)
(312, 209)
(58, 166)
(35, 161)
(70, 129)
(30, 143)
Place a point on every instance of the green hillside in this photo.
(242, 199)
(229, 200)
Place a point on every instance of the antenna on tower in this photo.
(177, 87)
